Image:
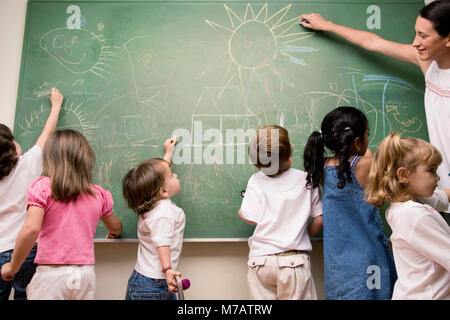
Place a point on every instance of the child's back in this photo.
(70, 224)
(281, 207)
(358, 263)
(153, 228)
(420, 242)
(13, 202)
(355, 246)
(64, 208)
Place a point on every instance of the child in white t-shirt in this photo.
(148, 189)
(277, 201)
(404, 171)
(17, 171)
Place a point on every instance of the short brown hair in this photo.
(8, 153)
(68, 161)
(271, 157)
(141, 185)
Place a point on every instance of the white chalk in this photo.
(43, 93)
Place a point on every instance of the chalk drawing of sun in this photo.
(258, 44)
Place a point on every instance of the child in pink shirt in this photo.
(64, 208)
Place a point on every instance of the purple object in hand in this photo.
(186, 284)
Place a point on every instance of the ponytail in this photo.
(339, 129)
(383, 181)
(313, 160)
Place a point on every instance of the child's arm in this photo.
(363, 167)
(430, 237)
(56, 99)
(114, 226)
(25, 241)
(248, 221)
(169, 145)
(164, 257)
(315, 226)
(439, 200)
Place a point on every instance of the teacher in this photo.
(430, 51)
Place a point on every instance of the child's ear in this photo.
(356, 145)
(403, 175)
(163, 193)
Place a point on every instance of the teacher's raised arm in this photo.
(431, 43)
(430, 51)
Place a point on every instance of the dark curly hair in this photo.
(339, 130)
(8, 153)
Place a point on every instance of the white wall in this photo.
(216, 270)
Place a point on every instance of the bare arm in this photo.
(113, 224)
(315, 226)
(164, 257)
(439, 200)
(364, 39)
(247, 221)
(56, 99)
(363, 167)
(169, 145)
(25, 241)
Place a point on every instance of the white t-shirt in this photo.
(161, 226)
(281, 207)
(13, 196)
(421, 245)
(437, 109)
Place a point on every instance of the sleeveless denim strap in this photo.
(354, 160)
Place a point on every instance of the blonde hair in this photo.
(141, 185)
(68, 161)
(392, 153)
(271, 157)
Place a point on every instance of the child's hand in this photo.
(7, 272)
(56, 98)
(169, 145)
(170, 280)
(112, 235)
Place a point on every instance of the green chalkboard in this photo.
(133, 73)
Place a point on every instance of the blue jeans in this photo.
(142, 288)
(21, 279)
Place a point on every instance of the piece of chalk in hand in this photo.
(303, 20)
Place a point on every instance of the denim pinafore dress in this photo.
(358, 263)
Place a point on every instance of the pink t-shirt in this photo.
(68, 228)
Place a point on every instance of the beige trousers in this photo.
(65, 282)
(281, 278)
